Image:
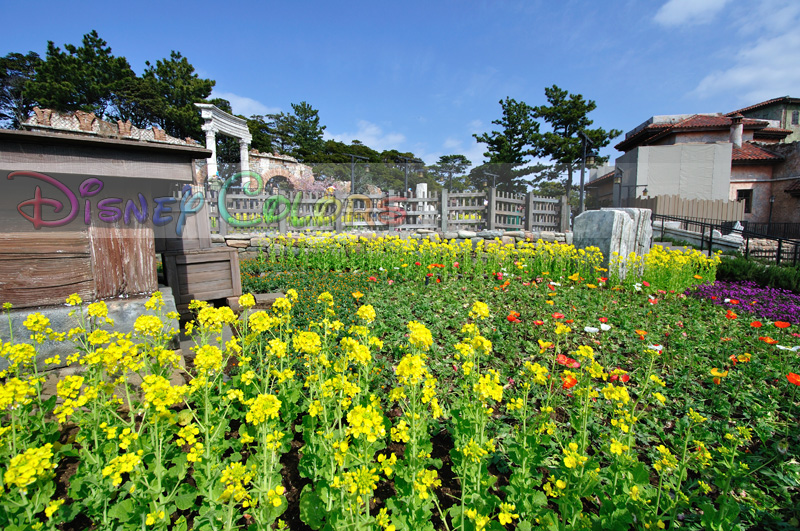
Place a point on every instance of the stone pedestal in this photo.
(621, 231)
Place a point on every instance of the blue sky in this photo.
(423, 76)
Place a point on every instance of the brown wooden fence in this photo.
(446, 211)
(673, 205)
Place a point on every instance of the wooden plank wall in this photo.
(123, 260)
(673, 205)
(44, 268)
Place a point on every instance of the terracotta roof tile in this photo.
(786, 99)
(751, 152)
(697, 121)
(601, 180)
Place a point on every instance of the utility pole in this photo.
(406, 160)
(353, 170)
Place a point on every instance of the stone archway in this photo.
(215, 121)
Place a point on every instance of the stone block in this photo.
(217, 238)
(434, 237)
(467, 234)
(569, 238)
(490, 234)
(124, 312)
(508, 240)
(260, 242)
(238, 244)
(515, 233)
(425, 231)
(548, 236)
(450, 235)
(614, 231)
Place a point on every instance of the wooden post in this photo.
(528, 212)
(338, 225)
(443, 209)
(491, 208)
(564, 214)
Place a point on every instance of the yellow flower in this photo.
(247, 300)
(480, 310)
(506, 515)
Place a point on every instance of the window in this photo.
(747, 197)
(795, 117)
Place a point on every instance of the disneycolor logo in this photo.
(107, 210)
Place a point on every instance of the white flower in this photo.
(659, 348)
(605, 327)
(637, 286)
(793, 349)
(591, 329)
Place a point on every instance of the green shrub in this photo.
(773, 276)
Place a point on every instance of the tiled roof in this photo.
(750, 152)
(794, 188)
(698, 121)
(600, 180)
(775, 131)
(784, 99)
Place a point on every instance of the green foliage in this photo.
(179, 87)
(85, 78)
(16, 70)
(773, 276)
(567, 116)
(508, 149)
(450, 172)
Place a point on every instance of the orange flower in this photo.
(718, 373)
(756, 324)
(781, 324)
(641, 333)
(568, 381)
(768, 340)
(793, 378)
(731, 315)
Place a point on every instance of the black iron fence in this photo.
(766, 245)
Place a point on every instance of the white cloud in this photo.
(244, 105)
(762, 68)
(689, 12)
(371, 135)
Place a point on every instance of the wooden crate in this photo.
(202, 274)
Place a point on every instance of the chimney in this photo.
(737, 128)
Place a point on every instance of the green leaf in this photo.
(186, 497)
(311, 508)
(122, 510)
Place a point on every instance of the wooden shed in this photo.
(86, 213)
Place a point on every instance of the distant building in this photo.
(712, 156)
(785, 112)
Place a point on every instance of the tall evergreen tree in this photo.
(508, 149)
(567, 116)
(84, 78)
(450, 172)
(180, 88)
(306, 132)
(16, 70)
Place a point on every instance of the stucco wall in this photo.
(786, 208)
(757, 179)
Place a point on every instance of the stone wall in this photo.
(250, 245)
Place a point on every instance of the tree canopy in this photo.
(509, 149)
(567, 116)
(16, 70)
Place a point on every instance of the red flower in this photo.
(793, 378)
(513, 317)
(372, 279)
(768, 340)
(602, 279)
(417, 263)
(569, 321)
(438, 280)
(603, 319)
(734, 301)
(569, 382)
(558, 315)
(652, 300)
(552, 288)
(645, 284)
(713, 297)
(731, 315)
(756, 324)
(455, 264)
(781, 324)
(538, 322)
(567, 362)
(429, 275)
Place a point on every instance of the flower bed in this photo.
(527, 398)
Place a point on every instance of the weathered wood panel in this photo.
(123, 260)
(205, 275)
(41, 269)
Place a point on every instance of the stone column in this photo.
(211, 145)
(244, 157)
